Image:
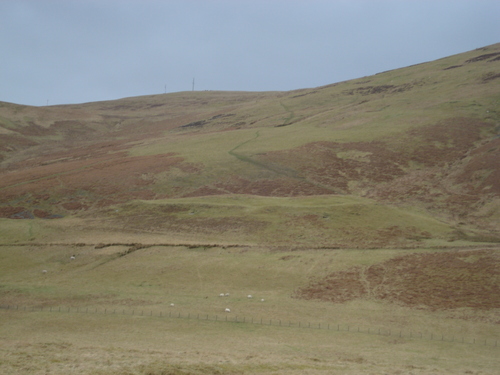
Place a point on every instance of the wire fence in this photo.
(229, 318)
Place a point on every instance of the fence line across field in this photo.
(261, 321)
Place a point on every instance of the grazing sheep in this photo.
(44, 271)
(227, 310)
(227, 294)
(262, 300)
(172, 305)
(249, 296)
(72, 257)
(221, 295)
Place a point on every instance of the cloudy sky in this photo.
(75, 51)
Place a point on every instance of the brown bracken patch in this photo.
(436, 281)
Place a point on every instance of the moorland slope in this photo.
(404, 158)
(363, 217)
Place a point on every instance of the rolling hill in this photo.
(363, 218)
(405, 158)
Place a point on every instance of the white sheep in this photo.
(72, 257)
(221, 295)
(262, 300)
(227, 310)
(172, 305)
(44, 271)
(249, 296)
(227, 294)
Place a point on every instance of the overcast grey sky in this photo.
(75, 51)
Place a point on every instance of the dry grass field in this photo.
(108, 311)
(363, 218)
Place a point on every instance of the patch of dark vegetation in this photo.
(201, 123)
(23, 215)
(134, 247)
(34, 130)
(369, 90)
(307, 93)
(490, 76)
(437, 281)
(7, 212)
(452, 67)
(155, 105)
(482, 57)
(195, 124)
(74, 206)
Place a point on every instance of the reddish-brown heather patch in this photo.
(7, 212)
(74, 206)
(106, 177)
(437, 281)
(41, 214)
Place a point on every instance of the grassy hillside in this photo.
(422, 138)
(109, 311)
(363, 217)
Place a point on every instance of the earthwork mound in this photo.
(437, 281)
